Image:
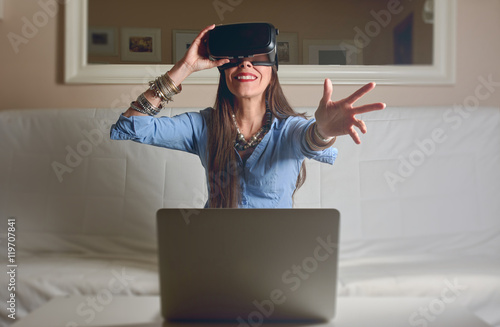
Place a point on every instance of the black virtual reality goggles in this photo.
(255, 42)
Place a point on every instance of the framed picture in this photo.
(288, 52)
(141, 44)
(331, 52)
(182, 40)
(102, 41)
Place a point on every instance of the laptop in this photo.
(248, 266)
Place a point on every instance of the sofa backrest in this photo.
(419, 171)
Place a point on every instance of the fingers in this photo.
(354, 135)
(203, 33)
(196, 57)
(327, 90)
(354, 122)
(221, 62)
(369, 107)
(206, 30)
(359, 93)
(360, 125)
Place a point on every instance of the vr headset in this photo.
(255, 42)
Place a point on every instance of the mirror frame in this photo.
(78, 71)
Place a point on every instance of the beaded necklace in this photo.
(241, 144)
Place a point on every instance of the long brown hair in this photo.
(223, 172)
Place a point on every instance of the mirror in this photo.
(386, 41)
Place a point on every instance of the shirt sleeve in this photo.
(181, 132)
(298, 128)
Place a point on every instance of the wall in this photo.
(32, 77)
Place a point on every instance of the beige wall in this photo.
(33, 77)
(380, 50)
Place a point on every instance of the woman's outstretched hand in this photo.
(335, 118)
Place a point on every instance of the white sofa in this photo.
(419, 198)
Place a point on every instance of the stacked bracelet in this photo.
(134, 105)
(312, 137)
(164, 88)
(147, 106)
(143, 106)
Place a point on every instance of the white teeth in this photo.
(246, 77)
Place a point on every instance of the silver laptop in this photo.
(248, 266)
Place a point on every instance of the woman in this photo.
(252, 144)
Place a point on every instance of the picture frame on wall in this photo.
(331, 52)
(141, 44)
(288, 48)
(102, 41)
(181, 41)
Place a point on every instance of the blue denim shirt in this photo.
(267, 178)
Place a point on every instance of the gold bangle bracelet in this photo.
(311, 136)
(164, 88)
(319, 136)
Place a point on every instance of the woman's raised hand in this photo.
(196, 58)
(335, 118)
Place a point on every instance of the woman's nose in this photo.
(245, 63)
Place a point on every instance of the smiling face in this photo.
(247, 81)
